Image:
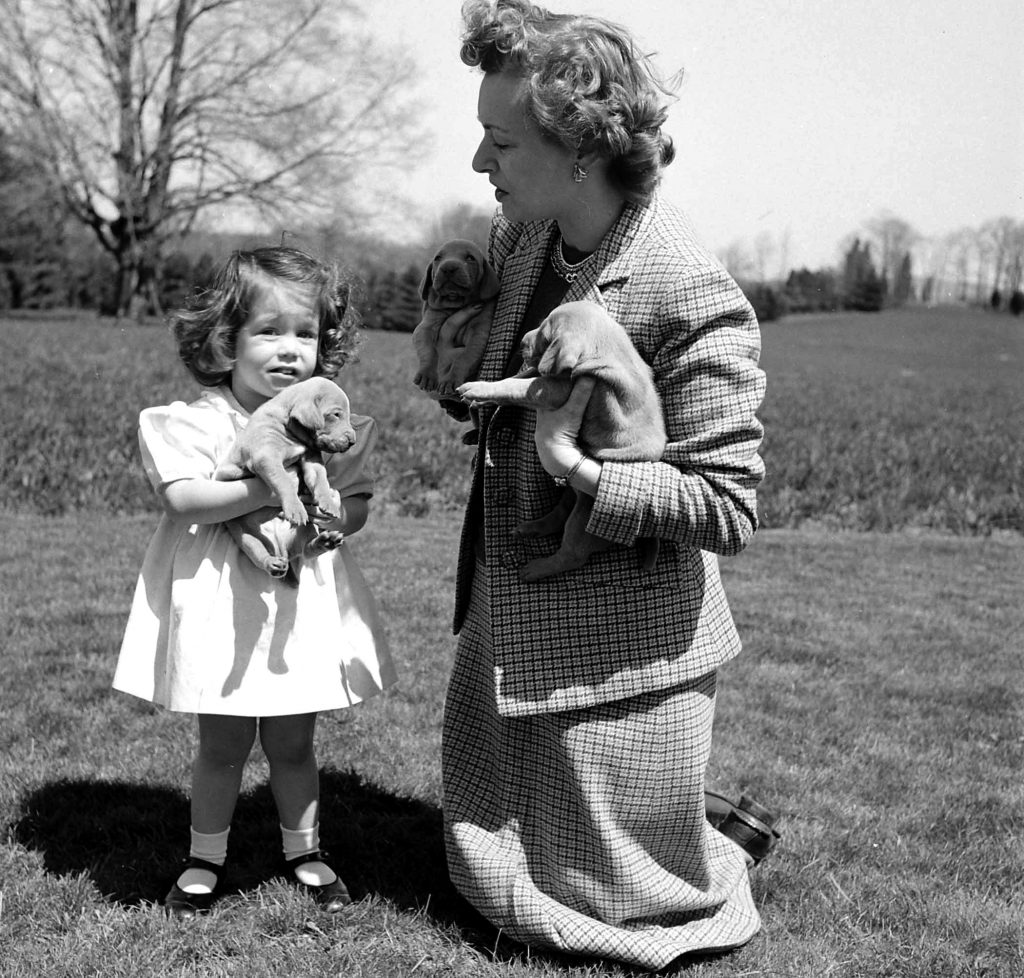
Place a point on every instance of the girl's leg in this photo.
(295, 782)
(224, 746)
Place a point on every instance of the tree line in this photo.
(128, 131)
(885, 264)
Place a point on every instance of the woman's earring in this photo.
(578, 173)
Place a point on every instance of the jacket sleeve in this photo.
(704, 345)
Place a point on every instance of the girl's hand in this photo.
(354, 512)
(316, 514)
(557, 432)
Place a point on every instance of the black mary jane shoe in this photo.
(330, 897)
(184, 905)
(750, 825)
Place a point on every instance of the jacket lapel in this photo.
(612, 264)
(519, 278)
(613, 261)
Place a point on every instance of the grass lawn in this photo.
(878, 705)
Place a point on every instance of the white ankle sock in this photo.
(212, 847)
(303, 842)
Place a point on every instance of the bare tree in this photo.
(1015, 260)
(999, 235)
(737, 261)
(764, 254)
(962, 245)
(147, 113)
(893, 238)
(461, 221)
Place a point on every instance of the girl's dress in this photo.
(209, 632)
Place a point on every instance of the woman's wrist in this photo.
(565, 479)
(582, 475)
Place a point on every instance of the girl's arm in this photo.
(210, 501)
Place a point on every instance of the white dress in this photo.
(209, 632)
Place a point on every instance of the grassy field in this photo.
(874, 422)
(878, 704)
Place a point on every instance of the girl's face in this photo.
(277, 345)
(532, 175)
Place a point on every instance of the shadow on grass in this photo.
(129, 839)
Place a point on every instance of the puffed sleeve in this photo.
(348, 472)
(178, 441)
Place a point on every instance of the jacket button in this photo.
(501, 497)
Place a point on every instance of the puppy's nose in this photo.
(449, 267)
(340, 441)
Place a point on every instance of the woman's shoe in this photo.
(330, 897)
(179, 903)
(752, 827)
(717, 807)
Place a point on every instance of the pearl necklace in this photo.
(565, 271)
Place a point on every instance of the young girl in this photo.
(210, 633)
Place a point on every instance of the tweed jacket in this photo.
(610, 630)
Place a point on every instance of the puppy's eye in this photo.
(471, 258)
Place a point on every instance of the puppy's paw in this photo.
(277, 566)
(324, 542)
(474, 392)
(329, 504)
(294, 512)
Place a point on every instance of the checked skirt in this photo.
(584, 831)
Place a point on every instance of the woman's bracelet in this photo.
(565, 480)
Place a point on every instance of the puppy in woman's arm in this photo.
(623, 419)
(449, 347)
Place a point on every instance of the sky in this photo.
(800, 118)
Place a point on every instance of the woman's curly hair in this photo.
(589, 87)
(206, 330)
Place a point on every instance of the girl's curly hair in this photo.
(589, 87)
(207, 328)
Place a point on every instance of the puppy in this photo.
(458, 276)
(622, 420)
(293, 428)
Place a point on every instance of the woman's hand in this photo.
(557, 432)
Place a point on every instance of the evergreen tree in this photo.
(863, 289)
(903, 292)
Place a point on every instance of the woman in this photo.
(578, 719)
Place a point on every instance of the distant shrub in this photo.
(769, 303)
(808, 291)
(1017, 302)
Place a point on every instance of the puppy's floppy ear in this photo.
(307, 413)
(428, 280)
(558, 352)
(489, 284)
